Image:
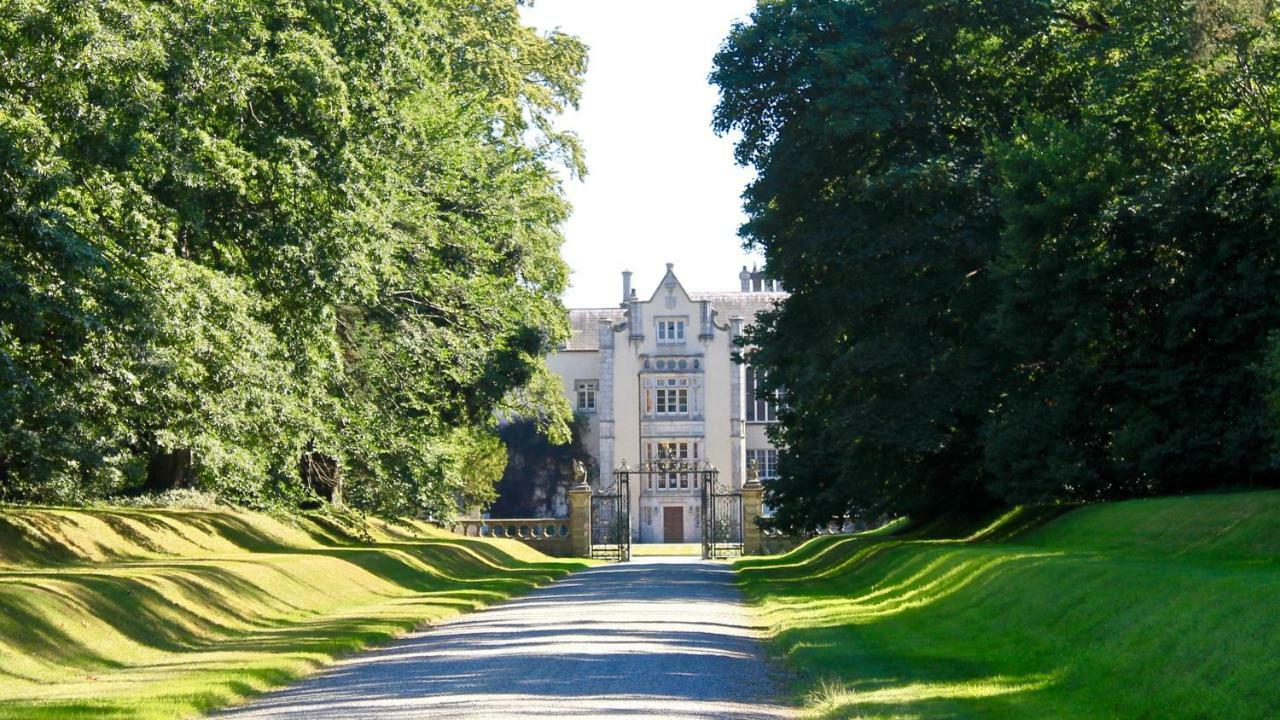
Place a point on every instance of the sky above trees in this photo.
(661, 186)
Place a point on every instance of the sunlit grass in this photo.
(1150, 609)
(666, 549)
(163, 614)
(834, 698)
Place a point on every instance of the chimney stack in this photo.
(626, 286)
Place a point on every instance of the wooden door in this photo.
(673, 524)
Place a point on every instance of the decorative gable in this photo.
(670, 292)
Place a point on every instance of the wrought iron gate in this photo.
(669, 482)
(611, 520)
(721, 521)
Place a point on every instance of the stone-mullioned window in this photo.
(670, 330)
(586, 390)
(671, 401)
(673, 451)
(669, 397)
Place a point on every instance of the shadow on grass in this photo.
(187, 606)
(826, 595)
(44, 538)
(252, 595)
(26, 629)
(33, 539)
(1115, 611)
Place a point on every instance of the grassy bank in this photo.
(1163, 608)
(163, 614)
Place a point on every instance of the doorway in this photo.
(673, 524)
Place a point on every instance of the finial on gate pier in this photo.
(580, 474)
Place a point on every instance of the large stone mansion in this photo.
(656, 377)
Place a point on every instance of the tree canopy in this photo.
(1030, 246)
(252, 228)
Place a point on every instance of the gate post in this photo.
(752, 510)
(580, 519)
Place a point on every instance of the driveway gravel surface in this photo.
(655, 637)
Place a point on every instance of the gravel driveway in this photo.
(655, 637)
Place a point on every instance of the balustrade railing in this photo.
(550, 535)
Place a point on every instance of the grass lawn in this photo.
(1165, 608)
(666, 549)
(165, 614)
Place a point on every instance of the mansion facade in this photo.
(656, 379)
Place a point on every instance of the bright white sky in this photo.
(660, 186)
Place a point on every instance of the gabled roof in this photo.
(585, 322)
(669, 280)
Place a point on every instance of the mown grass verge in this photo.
(1165, 608)
(168, 614)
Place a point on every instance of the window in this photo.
(766, 462)
(587, 395)
(678, 451)
(672, 450)
(667, 398)
(671, 396)
(759, 409)
(672, 401)
(670, 331)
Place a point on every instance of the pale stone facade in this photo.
(658, 375)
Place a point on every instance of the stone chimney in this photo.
(635, 318)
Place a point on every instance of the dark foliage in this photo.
(1030, 247)
(539, 472)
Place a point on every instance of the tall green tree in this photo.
(1138, 270)
(252, 227)
(866, 123)
(1028, 246)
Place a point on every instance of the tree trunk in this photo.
(320, 472)
(170, 470)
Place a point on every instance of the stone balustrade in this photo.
(549, 535)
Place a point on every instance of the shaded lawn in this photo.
(1163, 608)
(162, 614)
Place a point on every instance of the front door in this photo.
(673, 524)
